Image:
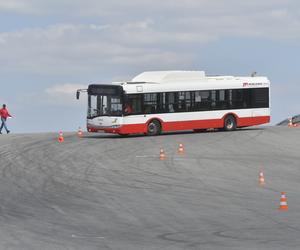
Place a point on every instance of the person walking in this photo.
(4, 115)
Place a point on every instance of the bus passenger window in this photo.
(147, 109)
(171, 108)
(150, 103)
(135, 102)
(222, 102)
(213, 99)
(170, 101)
(205, 102)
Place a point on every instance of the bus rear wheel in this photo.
(154, 128)
(229, 123)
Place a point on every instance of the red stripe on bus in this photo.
(184, 125)
(252, 121)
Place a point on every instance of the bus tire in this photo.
(229, 123)
(154, 127)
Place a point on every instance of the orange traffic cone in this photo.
(290, 123)
(161, 154)
(79, 132)
(60, 137)
(283, 202)
(261, 179)
(180, 149)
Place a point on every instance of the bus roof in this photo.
(168, 76)
(171, 81)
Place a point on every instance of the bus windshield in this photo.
(104, 105)
(104, 100)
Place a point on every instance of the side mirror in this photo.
(78, 92)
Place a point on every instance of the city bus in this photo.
(162, 101)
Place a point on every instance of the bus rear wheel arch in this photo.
(154, 127)
(229, 123)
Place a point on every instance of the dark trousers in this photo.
(3, 124)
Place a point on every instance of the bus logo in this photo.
(247, 84)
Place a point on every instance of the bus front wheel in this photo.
(229, 123)
(154, 128)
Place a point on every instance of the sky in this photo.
(50, 48)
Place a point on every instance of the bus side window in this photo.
(181, 102)
(246, 98)
(222, 102)
(147, 109)
(205, 102)
(150, 103)
(197, 101)
(213, 95)
(237, 98)
(170, 102)
(135, 102)
(260, 98)
(188, 101)
(171, 108)
(229, 98)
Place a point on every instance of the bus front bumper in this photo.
(115, 129)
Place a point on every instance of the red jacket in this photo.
(4, 113)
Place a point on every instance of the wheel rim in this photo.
(152, 128)
(229, 124)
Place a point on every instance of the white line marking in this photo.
(184, 159)
(58, 209)
(147, 156)
(86, 236)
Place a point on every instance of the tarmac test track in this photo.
(107, 192)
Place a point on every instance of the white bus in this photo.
(160, 101)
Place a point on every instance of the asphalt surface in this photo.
(107, 192)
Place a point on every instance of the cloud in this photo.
(62, 94)
(64, 89)
(68, 48)
(15, 6)
(135, 34)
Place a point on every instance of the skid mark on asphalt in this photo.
(87, 236)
